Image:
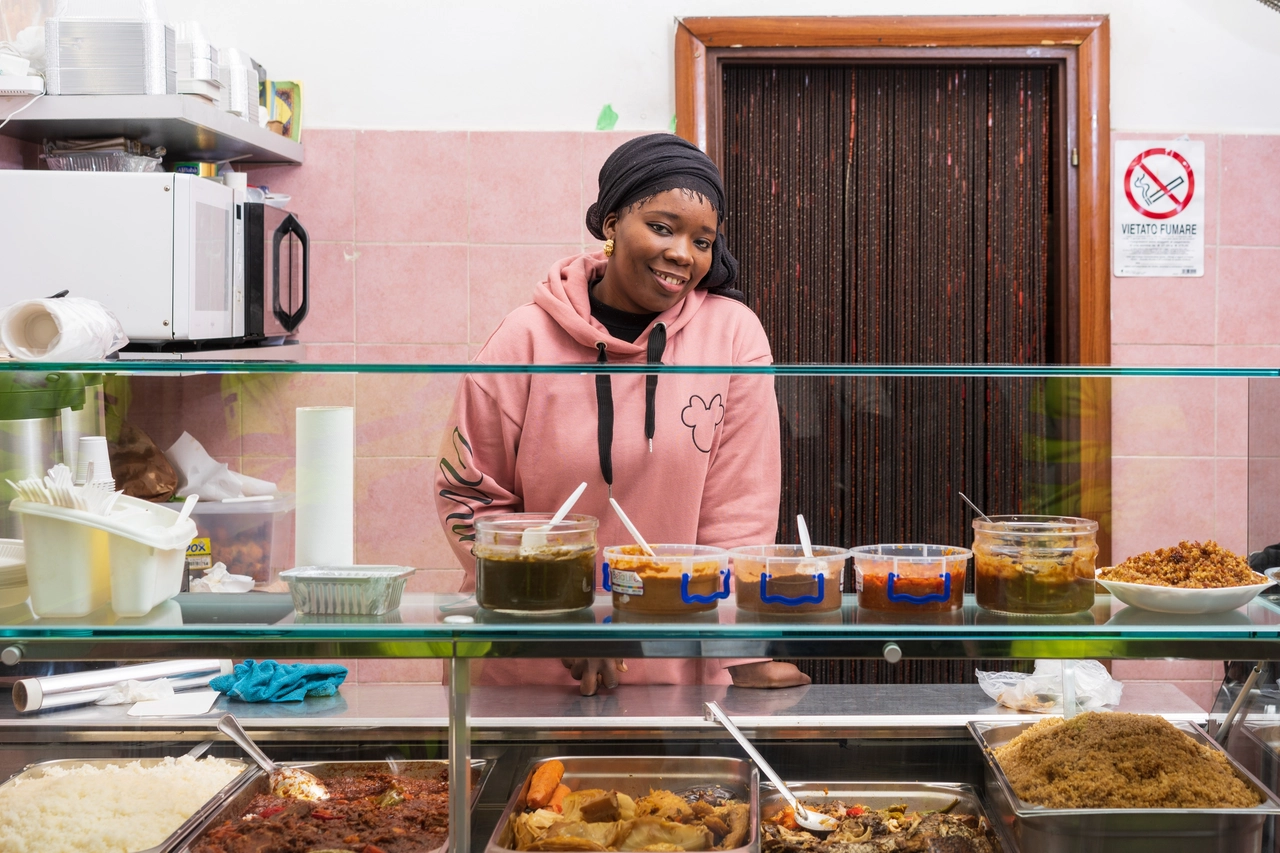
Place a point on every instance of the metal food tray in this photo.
(1045, 830)
(184, 830)
(1256, 744)
(634, 776)
(235, 804)
(919, 796)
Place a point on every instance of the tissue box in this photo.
(253, 538)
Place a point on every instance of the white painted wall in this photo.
(1176, 65)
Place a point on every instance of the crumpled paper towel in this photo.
(201, 474)
(128, 692)
(218, 579)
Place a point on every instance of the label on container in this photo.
(199, 555)
(626, 583)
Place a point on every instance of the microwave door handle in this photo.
(290, 225)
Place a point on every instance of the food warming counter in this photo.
(836, 732)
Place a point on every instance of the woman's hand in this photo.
(594, 673)
(767, 674)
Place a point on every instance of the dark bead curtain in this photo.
(897, 215)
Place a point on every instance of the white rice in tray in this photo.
(112, 809)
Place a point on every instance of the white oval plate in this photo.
(1172, 599)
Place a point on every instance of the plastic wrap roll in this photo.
(325, 527)
(82, 688)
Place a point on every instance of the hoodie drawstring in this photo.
(604, 418)
(604, 401)
(657, 345)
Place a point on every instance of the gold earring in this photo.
(608, 248)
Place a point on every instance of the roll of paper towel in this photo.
(325, 521)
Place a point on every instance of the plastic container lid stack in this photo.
(241, 82)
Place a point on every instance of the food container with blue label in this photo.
(781, 579)
(911, 578)
(676, 579)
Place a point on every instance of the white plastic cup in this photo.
(236, 180)
(93, 448)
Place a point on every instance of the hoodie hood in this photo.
(564, 296)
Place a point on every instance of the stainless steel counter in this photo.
(396, 711)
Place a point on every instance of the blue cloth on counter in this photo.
(268, 681)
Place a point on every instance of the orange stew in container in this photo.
(911, 578)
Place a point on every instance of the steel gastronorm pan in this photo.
(237, 803)
(634, 776)
(1044, 830)
(35, 771)
(919, 796)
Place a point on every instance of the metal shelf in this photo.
(188, 126)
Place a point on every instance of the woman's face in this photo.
(661, 250)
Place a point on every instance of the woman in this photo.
(693, 458)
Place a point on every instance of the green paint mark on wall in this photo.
(673, 123)
(607, 119)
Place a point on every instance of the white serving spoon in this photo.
(805, 542)
(536, 537)
(631, 528)
(187, 505)
(812, 821)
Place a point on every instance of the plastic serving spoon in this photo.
(811, 821)
(287, 782)
(187, 505)
(536, 537)
(631, 528)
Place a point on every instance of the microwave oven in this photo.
(184, 262)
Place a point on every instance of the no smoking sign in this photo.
(1158, 209)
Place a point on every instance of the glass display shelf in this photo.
(451, 626)
(140, 367)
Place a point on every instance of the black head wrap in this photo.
(652, 164)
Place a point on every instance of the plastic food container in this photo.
(77, 561)
(911, 578)
(346, 590)
(13, 573)
(1034, 564)
(1046, 830)
(677, 579)
(555, 573)
(781, 579)
(636, 776)
(253, 538)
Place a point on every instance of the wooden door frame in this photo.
(702, 45)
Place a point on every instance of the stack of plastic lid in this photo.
(109, 47)
(241, 81)
(198, 63)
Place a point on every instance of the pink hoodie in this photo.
(713, 476)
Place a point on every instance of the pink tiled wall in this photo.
(1180, 467)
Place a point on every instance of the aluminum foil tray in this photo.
(346, 590)
(1044, 830)
(235, 804)
(175, 839)
(634, 776)
(919, 796)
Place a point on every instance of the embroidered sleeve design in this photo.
(703, 418)
(462, 490)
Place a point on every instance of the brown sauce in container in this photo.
(548, 580)
(874, 592)
(792, 586)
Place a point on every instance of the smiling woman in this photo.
(695, 459)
